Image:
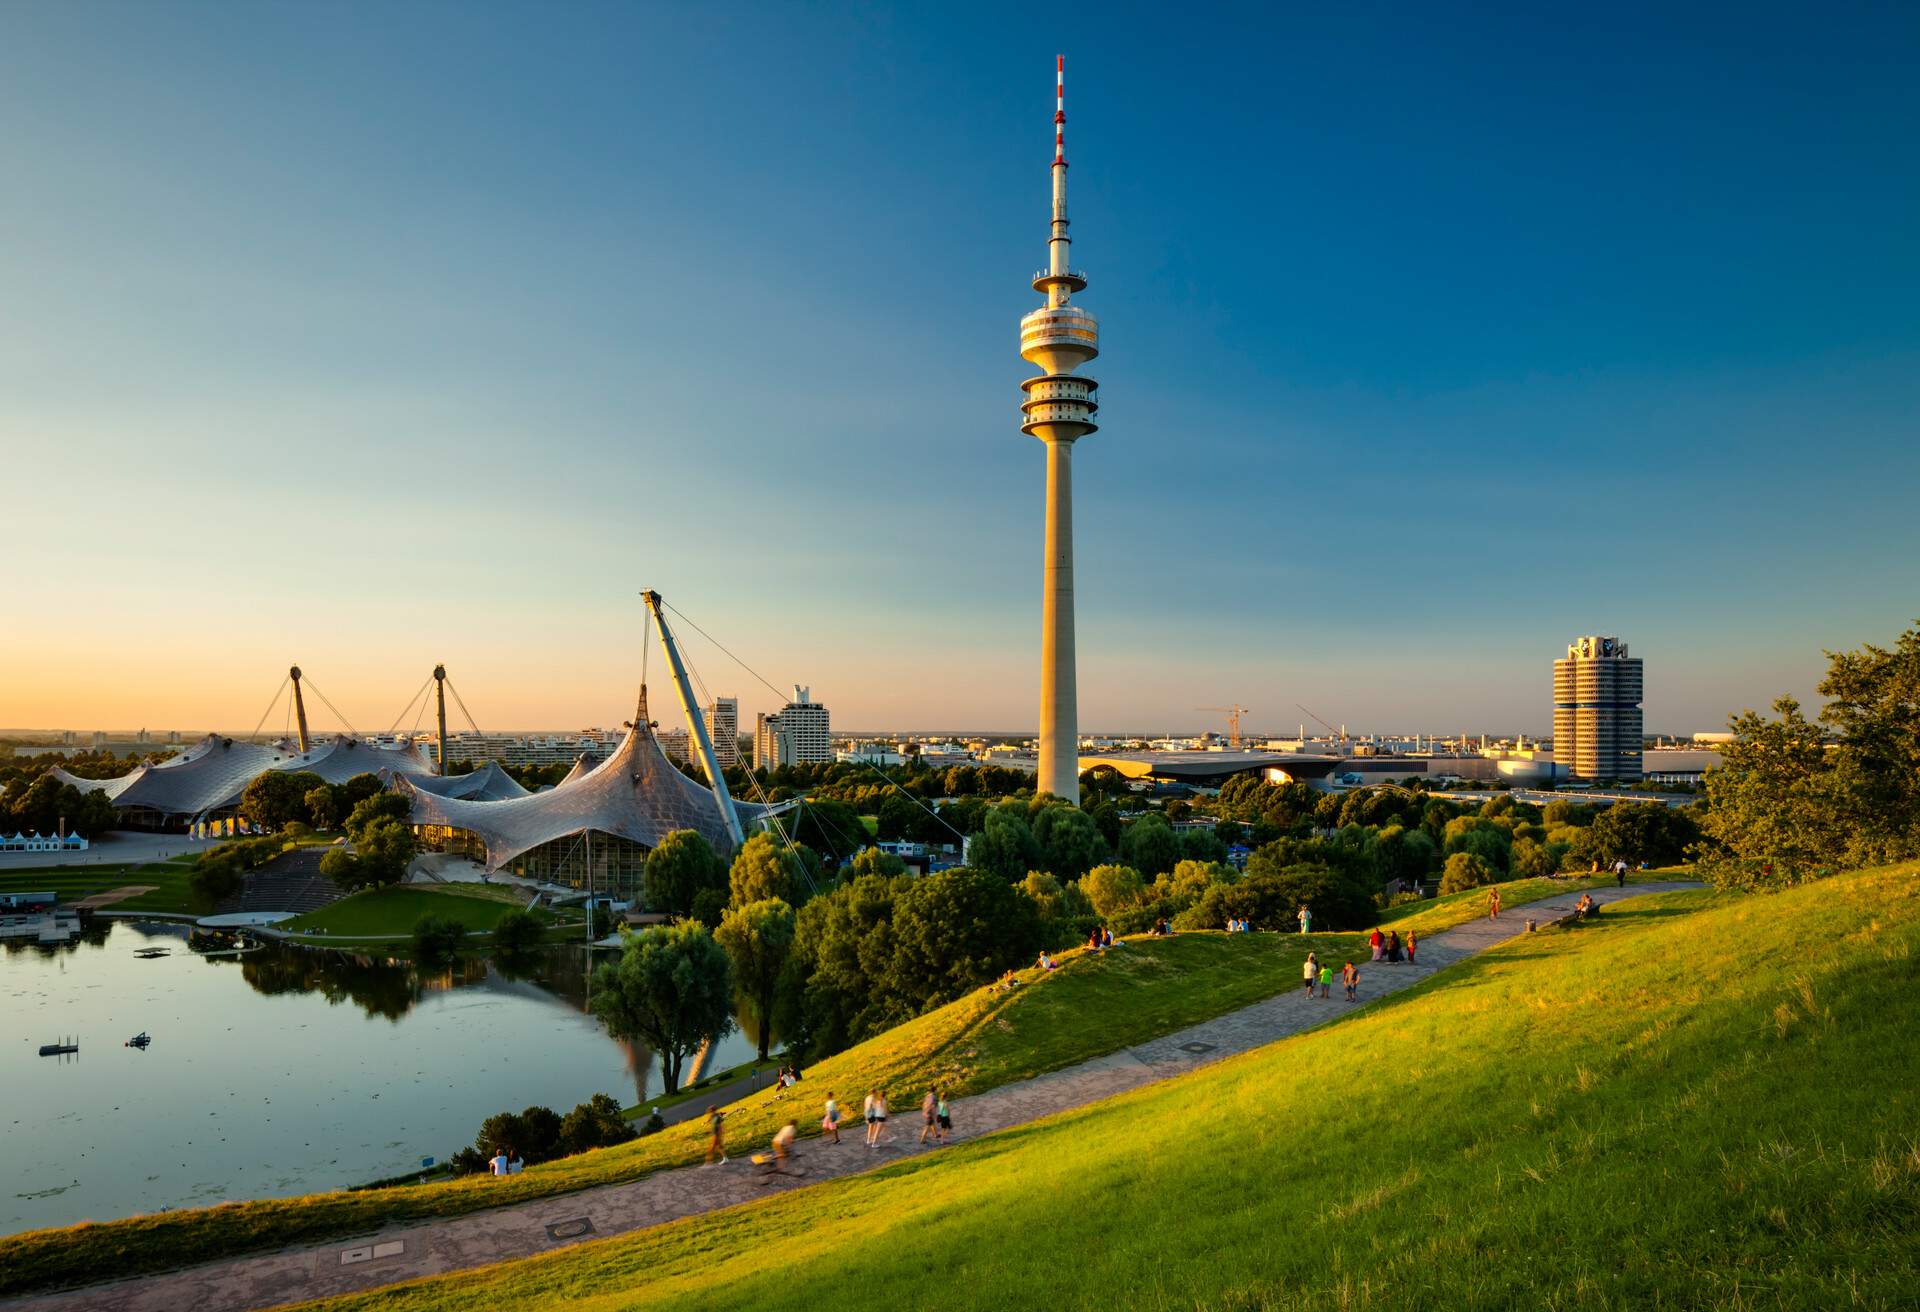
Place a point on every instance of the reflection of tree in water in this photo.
(378, 986)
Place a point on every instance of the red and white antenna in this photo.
(1060, 110)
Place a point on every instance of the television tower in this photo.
(1059, 338)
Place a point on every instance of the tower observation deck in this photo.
(1059, 338)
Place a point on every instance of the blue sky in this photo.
(371, 335)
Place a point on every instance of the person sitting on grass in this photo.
(1046, 962)
(1093, 939)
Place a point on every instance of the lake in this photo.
(283, 1071)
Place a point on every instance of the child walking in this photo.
(1351, 978)
(1309, 971)
(1326, 981)
(830, 1122)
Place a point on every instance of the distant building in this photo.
(723, 727)
(1597, 689)
(533, 749)
(798, 734)
(674, 743)
(873, 753)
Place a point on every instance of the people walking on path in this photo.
(942, 1116)
(1393, 947)
(716, 1132)
(1376, 941)
(867, 1114)
(928, 1105)
(1350, 977)
(1305, 917)
(879, 1119)
(1309, 969)
(1620, 872)
(830, 1121)
(1326, 980)
(1412, 944)
(1493, 903)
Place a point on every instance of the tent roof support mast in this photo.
(696, 723)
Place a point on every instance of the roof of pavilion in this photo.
(487, 784)
(636, 793)
(212, 773)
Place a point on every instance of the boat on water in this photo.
(140, 1040)
(59, 1049)
(153, 952)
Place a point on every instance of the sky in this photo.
(365, 336)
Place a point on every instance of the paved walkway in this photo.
(527, 1229)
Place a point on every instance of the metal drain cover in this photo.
(1196, 1048)
(573, 1229)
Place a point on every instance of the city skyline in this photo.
(367, 354)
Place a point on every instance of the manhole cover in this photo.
(1196, 1048)
(573, 1229)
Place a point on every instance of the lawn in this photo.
(73, 882)
(1703, 1100)
(1441, 913)
(394, 910)
(1094, 1004)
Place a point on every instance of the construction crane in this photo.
(1233, 714)
(1341, 734)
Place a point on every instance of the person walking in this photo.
(1309, 970)
(880, 1119)
(830, 1121)
(1493, 903)
(1412, 944)
(1393, 947)
(867, 1112)
(1376, 941)
(927, 1126)
(942, 1115)
(716, 1132)
(1350, 977)
(1305, 917)
(1326, 980)
(1620, 872)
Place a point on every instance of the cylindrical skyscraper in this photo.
(1059, 338)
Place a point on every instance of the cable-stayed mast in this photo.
(1059, 337)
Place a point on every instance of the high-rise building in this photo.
(1597, 689)
(1059, 338)
(723, 727)
(798, 734)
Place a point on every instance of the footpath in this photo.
(541, 1226)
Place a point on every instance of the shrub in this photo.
(1111, 888)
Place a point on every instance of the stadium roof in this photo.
(636, 793)
(210, 775)
(487, 784)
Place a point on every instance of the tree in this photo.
(1532, 859)
(671, 989)
(1004, 846)
(1643, 831)
(517, 932)
(1070, 842)
(678, 869)
(758, 940)
(953, 932)
(761, 871)
(320, 808)
(438, 938)
(1111, 888)
(1407, 855)
(873, 861)
(1339, 898)
(1465, 870)
(1148, 845)
(595, 1123)
(380, 806)
(277, 797)
(1202, 844)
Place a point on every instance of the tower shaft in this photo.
(299, 708)
(1059, 769)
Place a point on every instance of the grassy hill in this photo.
(1700, 1101)
(1094, 1004)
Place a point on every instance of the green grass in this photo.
(1094, 1004)
(1701, 1101)
(1441, 913)
(169, 878)
(394, 910)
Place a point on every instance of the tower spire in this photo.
(1059, 337)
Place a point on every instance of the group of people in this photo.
(1239, 927)
(1100, 939)
(936, 1115)
(787, 1078)
(1317, 974)
(505, 1162)
(1387, 947)
(1585, 907)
